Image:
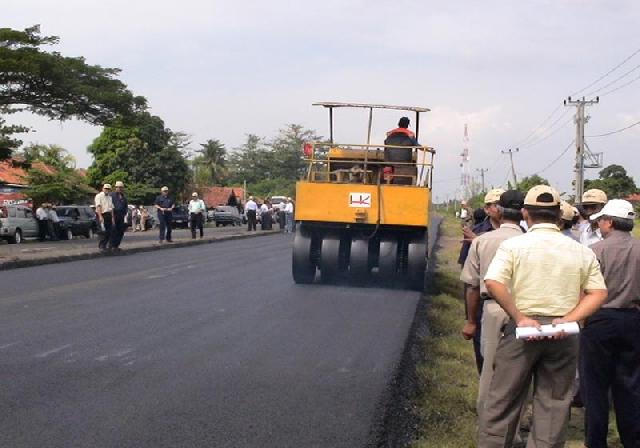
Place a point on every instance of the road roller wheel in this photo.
(304, 271)
(359, 265)
(329, 258)
(388, 260)
(417, 263)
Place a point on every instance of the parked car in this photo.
(17, 222)
(226, 214)
(77, 220)
(180, 217)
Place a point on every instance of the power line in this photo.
(553, 162)
(606, 74)
(521, 143)
(620, 86)
(609, 84)
(616, 131)
(536, 142)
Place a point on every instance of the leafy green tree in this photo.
(270, 187)
(614, 181)
(52, 155)
(55, 86)
(531, 181)
(251, 162)
(287, 151)
(212, 157)
(150, 154)
(61, 186)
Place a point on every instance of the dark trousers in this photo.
(251, 218)
(195, 221)
(282, 220)
(478, 336)
(164, 220)
(43, 229)
(105, 237)
(117, 232)
(610, 362)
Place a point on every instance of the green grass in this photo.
(448, 380)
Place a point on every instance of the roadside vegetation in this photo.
(448, 380)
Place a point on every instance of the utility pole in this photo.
(580, 120)
(482, 171)
(513, 170)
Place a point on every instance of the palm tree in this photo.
(213, 158)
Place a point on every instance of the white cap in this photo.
(108, 186)
(164, 189)
(119, 183)
(618, 208)
(194, 194)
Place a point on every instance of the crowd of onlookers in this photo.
(552, 294)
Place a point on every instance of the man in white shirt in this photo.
(55, 221)
(104, 212)
(43, 218)
(288, 211)
(251, 209)
(592, 202)
(197, 209)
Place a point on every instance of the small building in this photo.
(213, 196)
(13, 179)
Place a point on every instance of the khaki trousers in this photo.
(551, 365)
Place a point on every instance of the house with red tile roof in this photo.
(213, 196)
(13, 179)
(634, 198)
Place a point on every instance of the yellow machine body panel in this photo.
(362, 203)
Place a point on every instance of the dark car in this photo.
(180, 217)
(226, 214)
(77, 220)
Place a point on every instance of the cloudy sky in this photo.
(223, 69)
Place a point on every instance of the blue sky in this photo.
(222, 69)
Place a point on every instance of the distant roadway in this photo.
(206, 346)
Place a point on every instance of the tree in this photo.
(212, 157)
(148, 153)
(56, 86)
(251, 162)
(287, 151)
(52, 155)
(614, 181)
(527, 183)
(61, 186)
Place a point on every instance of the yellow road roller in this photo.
(363, 209)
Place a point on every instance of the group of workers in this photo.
(48, 222)
(536, 261)
(285, 215)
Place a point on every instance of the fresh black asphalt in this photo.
(207, 346)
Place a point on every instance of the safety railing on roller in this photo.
(369, 164)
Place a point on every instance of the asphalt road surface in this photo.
(206, 346)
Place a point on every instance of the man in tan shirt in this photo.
(482, 251)
(540, 277)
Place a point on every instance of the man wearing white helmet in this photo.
(610, 340)
(592, 202)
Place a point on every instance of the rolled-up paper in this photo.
(547, 330)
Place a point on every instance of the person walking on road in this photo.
(610, 341)
(165, 205)
(481, 253)
(197, 211)
(251, 209)
(120, 210)
(540, 277)
(43, 217)
(104, 212)
(288, 212)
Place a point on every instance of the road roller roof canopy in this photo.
(332, 105)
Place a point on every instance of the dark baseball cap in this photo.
(513, 199)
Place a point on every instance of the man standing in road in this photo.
(104, 212)
(592, 202)
(43, 217)
(610, 341)
(197, 211)
(165, 205)
(482, 251)
(288, 212)
(540, 277)
(120, 210)
(251, 209)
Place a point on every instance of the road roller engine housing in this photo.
(363, 209)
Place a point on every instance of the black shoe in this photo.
(169, 241)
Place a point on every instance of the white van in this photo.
(17, 222)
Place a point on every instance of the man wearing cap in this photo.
(592, 202)
(165, 205)
(540, 277)
(482, 251)
(490, 223)
(120, 210)
(104, 212)
(251, 209)
(610, 341)
(197, 209)
(288, 211)
(568, 217)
